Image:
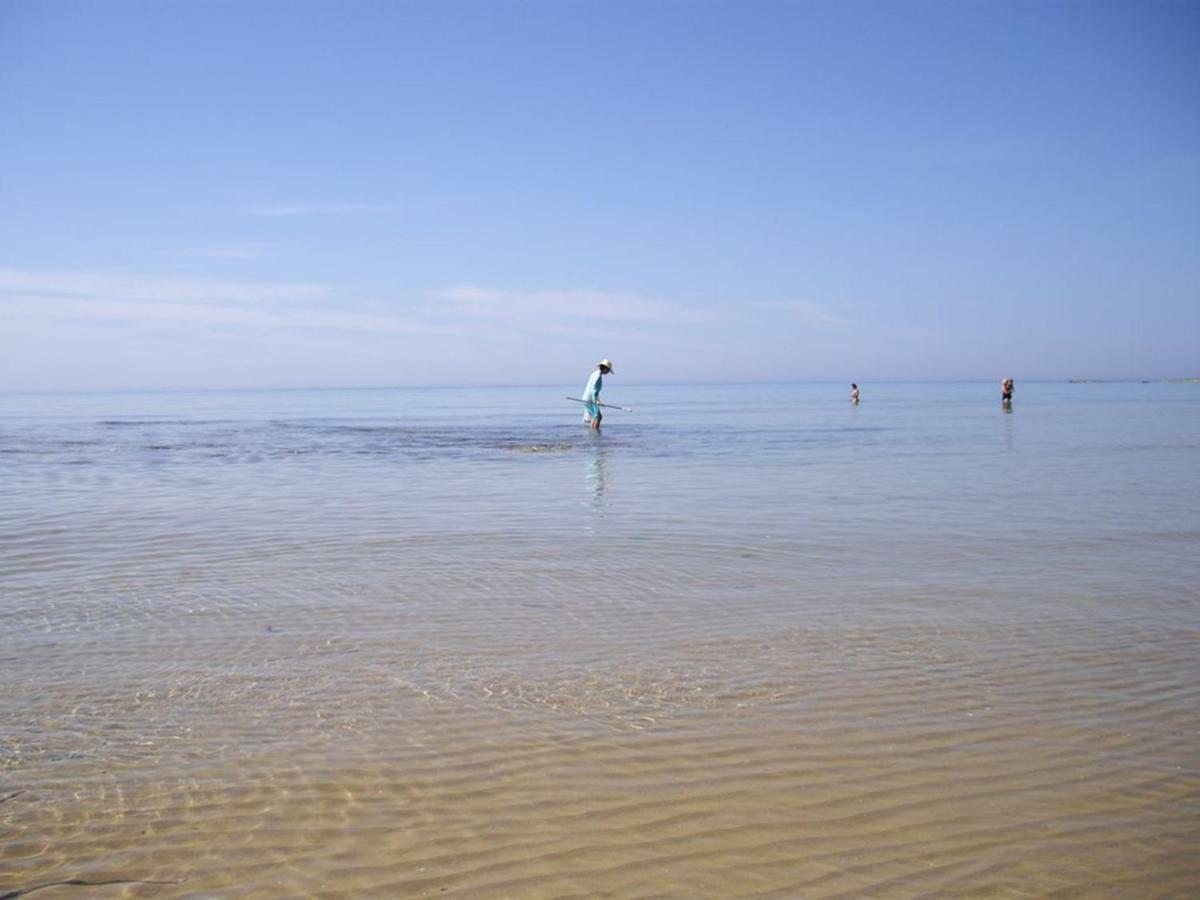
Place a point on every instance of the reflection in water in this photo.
(597, 476)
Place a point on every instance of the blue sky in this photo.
(221, 194)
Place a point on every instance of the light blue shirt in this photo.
(595, 383)
(591, 394)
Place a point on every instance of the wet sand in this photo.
(817, 761)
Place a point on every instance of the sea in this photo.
(744, 641)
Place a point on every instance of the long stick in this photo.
(605, 405)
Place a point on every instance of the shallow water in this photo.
(747, 641)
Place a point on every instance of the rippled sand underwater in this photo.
(664, 663)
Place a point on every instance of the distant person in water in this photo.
(1006, 390)
(854, 394)
(591, 394)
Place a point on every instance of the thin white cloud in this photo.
(35, 306)
(556, 307)
(123, 286)
(835, 323)
(280, 210)
(135, 301)
(815, 315)
(469, 322)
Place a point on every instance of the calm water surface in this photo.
(748, 641)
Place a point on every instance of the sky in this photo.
(300, 194)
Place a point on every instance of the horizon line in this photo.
(557, 385)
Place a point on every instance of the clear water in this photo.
(387, 583)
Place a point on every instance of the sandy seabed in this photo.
(799, 763)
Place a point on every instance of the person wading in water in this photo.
(591, 394)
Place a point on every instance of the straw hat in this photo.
(606, 363)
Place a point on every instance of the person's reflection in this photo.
(597, 477)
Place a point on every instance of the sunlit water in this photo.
(749, 640)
